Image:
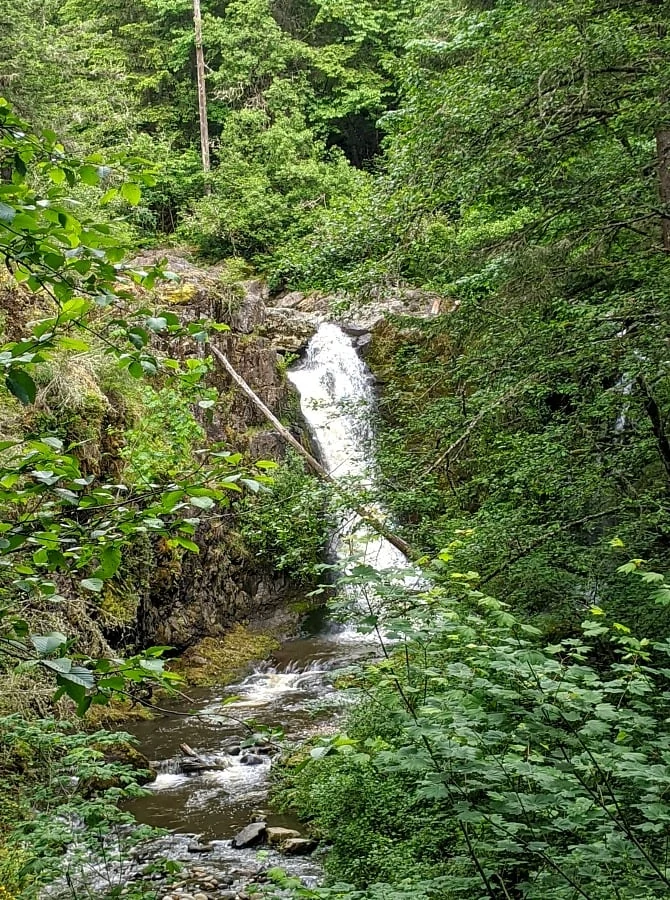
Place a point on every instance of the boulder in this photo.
(299, 846)
(277, 837)
(199, 848)
(289, 329)
(251, 759)
(292, 300)
(250, 836)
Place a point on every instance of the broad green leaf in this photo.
(47, 643)
(131, 192)
(19, 383)
(110, 560)
(94, 585)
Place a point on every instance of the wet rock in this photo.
(277, 837)
(363, 343)
(199, 848)
(299, 846)
(198, 661)
(195, 766)
(250, 836)
(265, 749)
(251, 759)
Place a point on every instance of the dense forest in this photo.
(490, 181)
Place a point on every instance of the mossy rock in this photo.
(118, 605)
(115, 713)
(120, 754)
(218, 661)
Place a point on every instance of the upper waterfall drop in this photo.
(337, 400)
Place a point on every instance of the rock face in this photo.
(296, 311)
(205, 594)
(250, 836)
(289, 329)
(192, 596)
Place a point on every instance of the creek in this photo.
(294, 690)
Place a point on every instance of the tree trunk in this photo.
(365, 515)
(663, 163)
(657, 423)
(202, 91)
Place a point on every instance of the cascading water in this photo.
(227, 786)
(337, 401)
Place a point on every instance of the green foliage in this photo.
(62, 528)
(286, 83)
(162, 444)
(486, 763)
(288, 526)
(56, 780)
(520, 187)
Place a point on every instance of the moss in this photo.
(183, 292)
(218, 661)
(115, 713)
(118, 604)
(302, 606)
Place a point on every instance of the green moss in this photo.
(118, 604)
(218, 661)
(114, 714)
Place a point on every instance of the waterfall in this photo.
(337, 400)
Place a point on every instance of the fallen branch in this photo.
(369, 519)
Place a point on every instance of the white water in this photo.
(337, 400)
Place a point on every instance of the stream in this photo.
(293, 690)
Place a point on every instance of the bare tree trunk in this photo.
(365, 515)
(202, 91)
(663, 163)
(657, 422)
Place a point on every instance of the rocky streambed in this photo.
(214, 772)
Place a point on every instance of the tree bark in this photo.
(656, 418)
(663, 163)
(365, 515)
(202, 91)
